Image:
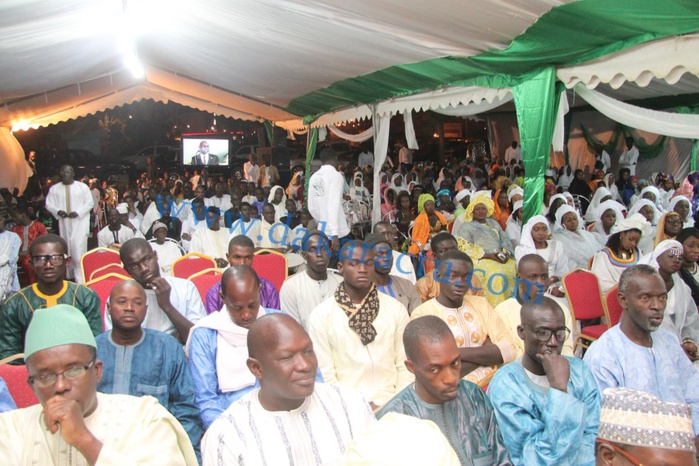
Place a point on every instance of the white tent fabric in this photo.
(266, 52)
(667, 59)
(669, 124)
(474, 108)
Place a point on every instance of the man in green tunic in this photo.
(49, 259)
(459, 408)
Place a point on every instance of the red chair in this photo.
(190, 264)
(585, 300)
(107, 269)
(612, 307)
(16, 379)
(205, 280)
(270, 265)
(103, 287)
(96, 259)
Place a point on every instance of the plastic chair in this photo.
(103, 287)
(205, 280)
(97, 258)
(612, 307)
(110, 268)
(270, 265)
(16, 379)
(585, 299)
(190, 264)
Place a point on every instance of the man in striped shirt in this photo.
(312, 423)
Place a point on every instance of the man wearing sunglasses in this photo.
(49, 259)
(547, 405)
(74, 424)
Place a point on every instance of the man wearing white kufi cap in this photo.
(638, 428)
(75, 425)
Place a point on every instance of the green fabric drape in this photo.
(536, 101)
(621, 132)
(568, 34)
(310, 153)
(269, 128)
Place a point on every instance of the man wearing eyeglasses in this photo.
(49, 259)
(75, 425)
(70, 203)
(532, 283)
(547, 405)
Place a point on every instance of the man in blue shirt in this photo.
(138, 361)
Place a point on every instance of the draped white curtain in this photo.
(382, 125)
(558, 140)
(668, 124)
(361, 137)
(410, 137)
(15, 171)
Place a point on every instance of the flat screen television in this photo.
(205, 150)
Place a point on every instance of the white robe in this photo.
(74, 230)
(133, 430)
(105, 237)
(210, 243)
(168, 252)
(300, 294)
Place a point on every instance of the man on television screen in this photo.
(203, 157)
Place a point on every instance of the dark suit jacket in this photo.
(213, 160)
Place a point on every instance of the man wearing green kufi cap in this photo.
(74, 424)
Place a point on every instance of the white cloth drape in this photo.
(410, 138)
(382, 125)
(558, 140)
(361, 137)
(668, 124)
(15, 171)
(322, 133)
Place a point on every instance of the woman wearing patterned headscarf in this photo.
(428, 223)
(489, 247)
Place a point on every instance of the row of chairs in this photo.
(587, 303)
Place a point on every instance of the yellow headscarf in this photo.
(422, 200)
(480, 199)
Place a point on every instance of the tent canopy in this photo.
(284, 59)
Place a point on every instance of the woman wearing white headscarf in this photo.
(397, 183)
(609, 213)
(683, 206)
(513, 227)
(534, 241)
(680, 317)
(621, 251)
(646, 208)
(601, 195)
(569, 231)
(358, 192)
(277, 198)
(609, 182)
(653, 194)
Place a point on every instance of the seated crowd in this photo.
(444, 336)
